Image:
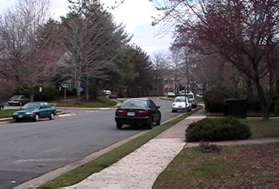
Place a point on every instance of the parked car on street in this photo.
(181, 103)
(107, 92)
(1, 106)
(18, 100)
(34, 111)
(170, 94)
(192, 99)
(138, 111)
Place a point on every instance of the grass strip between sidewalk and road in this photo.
(6, 113)
(77, 175)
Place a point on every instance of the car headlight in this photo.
(14, 114)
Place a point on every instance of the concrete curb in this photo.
(39, 181)
(8, 119)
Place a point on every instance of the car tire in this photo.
(20, 104)
(119, 126)
(173, 111)
(150, 123)
(158, 123)
(51, 117)
(36, 118)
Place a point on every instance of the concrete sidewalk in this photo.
(140, 169)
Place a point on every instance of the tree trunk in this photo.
(78, 85)
(87, 89)
(265, 104)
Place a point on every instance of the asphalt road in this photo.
(30, 149)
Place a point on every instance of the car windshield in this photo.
(31, 106)
(180, 99)
(190, 96)
(16, 98)
(134, 104)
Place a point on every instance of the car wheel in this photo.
(150, 124)
(51, 117)
(173, 111)
(119, 126)
(158, 122)
(36, 118)
(20, 104)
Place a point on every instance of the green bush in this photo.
(214, 101)
(276, 108)
(220, 129)
(48, 92)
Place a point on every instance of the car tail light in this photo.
(143, 113)
(121, 113)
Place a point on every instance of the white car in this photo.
(192, 99)
(171, 94)
(107, 92)
(181, 103)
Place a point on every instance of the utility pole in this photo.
(186, 56)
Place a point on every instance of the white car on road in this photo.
(181, 103)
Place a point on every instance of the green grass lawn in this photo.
(6, 113)
(254, 166)
(80, 173)
(261, 128)
(101, 102)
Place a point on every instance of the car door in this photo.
(155, 111)
(44, 111)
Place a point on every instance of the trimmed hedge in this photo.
(214, 101)
(219, 129)
(276, 108)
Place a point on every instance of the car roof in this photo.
(143, 99)
(38, 103)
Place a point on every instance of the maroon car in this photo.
(138, 111)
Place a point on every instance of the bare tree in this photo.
(161, 65)
(24, 56)
(243, 32)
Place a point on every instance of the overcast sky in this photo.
(136, 15)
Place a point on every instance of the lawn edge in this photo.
(45, 180)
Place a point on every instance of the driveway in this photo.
(28, 150)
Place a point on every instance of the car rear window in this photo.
(31, 105)
(179, 99)
(190, 96)
(134, 104)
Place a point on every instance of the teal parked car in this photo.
(34, 111)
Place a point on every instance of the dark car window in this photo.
(31, 106)
(16, 97)
(180, 99)
(152, 105)
(135, 104)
